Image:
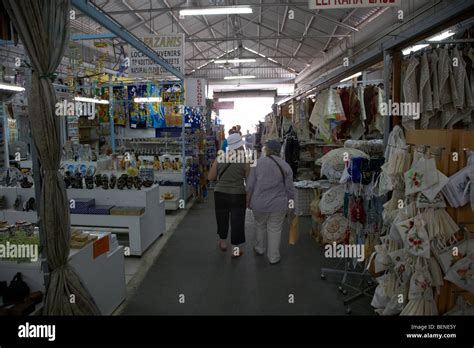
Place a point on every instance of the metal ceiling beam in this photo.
(285, 57)
(110, 24)
(330, 19)
(182, 27)
(282, 26)
(302, 38)
(78, 37)
(267, 46)
(259, 28)
(178, 8)
(335, 28)
(288, 55)
(300, 5)
(245, 67)
(256, 38)
(142, 19)
(285, 35)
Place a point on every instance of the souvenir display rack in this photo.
(453, 145)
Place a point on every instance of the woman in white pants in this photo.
(269, 189)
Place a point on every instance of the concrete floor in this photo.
(191, 276)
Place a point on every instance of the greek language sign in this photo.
(195, 92)
(334, 4)
(169, 47)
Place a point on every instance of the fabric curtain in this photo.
(43, 29)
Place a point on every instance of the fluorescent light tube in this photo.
(442, 36)
(11, 87)
(215, 11)
(91, 100)
(415, 48)
(351, 77)
(148, 100)
(439, 37)
(235, 61)
(239, 77)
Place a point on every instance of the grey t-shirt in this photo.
(232, 180)
(270, 192)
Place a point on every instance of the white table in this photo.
(142, 230)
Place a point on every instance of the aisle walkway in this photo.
(214, 284)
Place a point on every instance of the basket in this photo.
(303, 198)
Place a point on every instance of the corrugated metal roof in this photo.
(291, 45)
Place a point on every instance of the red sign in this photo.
(224, 105)
(328, 4)
(101, 246)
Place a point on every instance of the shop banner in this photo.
(195, 90)
(169, 47)
(224, 105)
(335, 4)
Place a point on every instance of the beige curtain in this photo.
(43, 30)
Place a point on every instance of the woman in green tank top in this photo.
(230, 195)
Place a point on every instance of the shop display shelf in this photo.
(103, 276)
(12, 216)
(142, 230)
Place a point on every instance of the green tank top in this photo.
(232, 180)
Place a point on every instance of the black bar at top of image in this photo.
(345, 330)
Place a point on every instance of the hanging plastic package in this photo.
(120, 109)
(137, 111)
(156, 116)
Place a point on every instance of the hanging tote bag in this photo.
(420, 176)
(462, 273)
(417, 240)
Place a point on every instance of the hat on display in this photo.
(334, 228)
(234, 141)
(274, 145)
(332, 200)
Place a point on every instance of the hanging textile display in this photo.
(327, 114)
(354, 127)
(426, 95)
(349, 112)
(438, 79)
(410, 90)
(291, 150)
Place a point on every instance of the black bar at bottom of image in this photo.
(260, 329)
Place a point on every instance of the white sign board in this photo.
(195, 92)
(335, 4)
(170, 47)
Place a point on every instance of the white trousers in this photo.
(268, 234)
